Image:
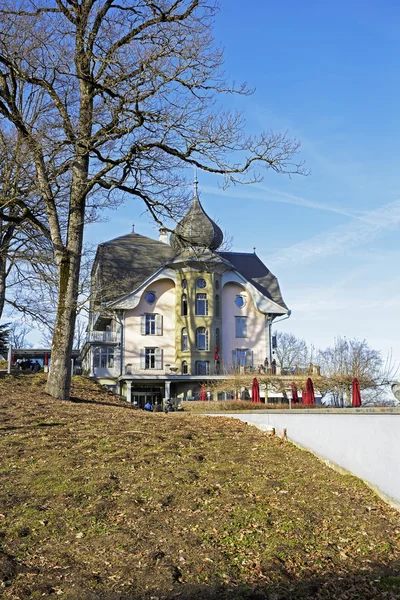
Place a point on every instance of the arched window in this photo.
(185, 339)
(184, 367)
(201, 338)
(217, 305)
(184, 307)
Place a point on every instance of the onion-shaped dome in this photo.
(196, 229)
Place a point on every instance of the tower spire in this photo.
(195, 182)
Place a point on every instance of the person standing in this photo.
(148, 406)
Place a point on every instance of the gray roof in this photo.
(127, 261)
(196, 229)
(253, 269)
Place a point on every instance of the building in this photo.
(167, 317)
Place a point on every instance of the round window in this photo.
(201, 283)
(150, 297)
(240, 301)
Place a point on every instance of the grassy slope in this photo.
(98, 501)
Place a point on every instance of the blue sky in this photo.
(329, 74)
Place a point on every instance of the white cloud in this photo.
(342, 238)
(264, 194)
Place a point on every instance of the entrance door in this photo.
(139, 399)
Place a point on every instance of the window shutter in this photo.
(249, 358)
(143, 324)
(158, 355)
(159, 324)
(142, 359)
(244, 322)
(234, 358)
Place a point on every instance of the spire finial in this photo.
(195, 182)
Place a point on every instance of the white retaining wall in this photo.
(366, 445)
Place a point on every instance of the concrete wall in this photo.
(365, 444)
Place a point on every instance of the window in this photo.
(184, 284)
(217, 305)
(241, 327)
(185, 339)
(151, 358)
(240, 301)
(201, 304)
(202, 367)
(150, 297)
(184, 367)
(184, 307)
(242, 357)
(103, 357)
(201, 283)
(201, 338)
(151, 324)
(217, 342)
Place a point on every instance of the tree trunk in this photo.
(2, 284)
(59, 379)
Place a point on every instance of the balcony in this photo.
(108, 337)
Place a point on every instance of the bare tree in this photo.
(20, 238)
(350, 358)
(291, 351)
(125, 94)
(17, 335)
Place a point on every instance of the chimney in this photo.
(163, 236)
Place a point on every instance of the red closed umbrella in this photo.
(255, 391)
(356, 395)
(295, 396)
(310, 398)
(304, 396)
(203, 393)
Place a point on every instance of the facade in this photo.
(167, 317)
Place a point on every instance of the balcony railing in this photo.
(224, 370)
(102, 336)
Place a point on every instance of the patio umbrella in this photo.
(356, 396)
(295, 396)
(310, 392)
(304, 396)
(203, 393)
(255, 391)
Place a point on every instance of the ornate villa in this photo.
(167, 317)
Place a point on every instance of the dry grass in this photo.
(98, 501)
